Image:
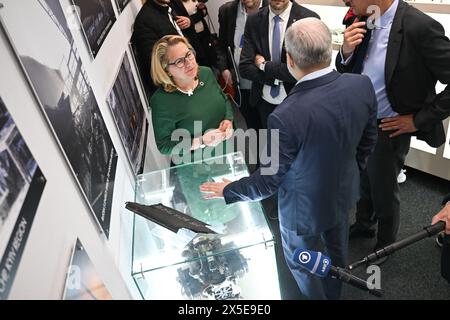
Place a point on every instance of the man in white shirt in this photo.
(263, 58)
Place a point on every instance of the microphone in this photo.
(320, 265)
(238, 76)
(428, 231)
(235, 66)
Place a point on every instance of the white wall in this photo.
(63, 215)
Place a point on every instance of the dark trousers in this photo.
(265, 109)
(380, 199)
(250, 114)
(334, 244)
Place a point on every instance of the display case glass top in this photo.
(241, 225)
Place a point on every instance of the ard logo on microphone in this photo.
(325, 264)
(305, 257)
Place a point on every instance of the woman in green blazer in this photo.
(189, 110)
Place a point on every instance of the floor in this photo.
(411, 273)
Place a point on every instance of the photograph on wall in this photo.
(121, 4)
(39, 34)
(97, 18)
(83, 281)
(129, 115)
(21, 187)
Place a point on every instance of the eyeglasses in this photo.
(181, 62)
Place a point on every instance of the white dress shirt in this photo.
(375, 60)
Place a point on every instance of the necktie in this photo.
(361, 53)
(172, 19)
(276, 51)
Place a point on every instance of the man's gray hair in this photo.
(308, 41)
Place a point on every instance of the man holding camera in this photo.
(158, 18)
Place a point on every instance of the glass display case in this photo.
(236, 263)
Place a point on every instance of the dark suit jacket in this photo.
(227, 28)
(418, 55)
(256, 41)
(151, 24)
(327, 129)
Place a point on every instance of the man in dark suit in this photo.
(404, 53)
(263, 58)
(232, 18)
(327, 129)
(158, 18)
(444, 215)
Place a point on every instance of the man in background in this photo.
(158, 18)
(404, 52)
(232, 18)
(263, 57)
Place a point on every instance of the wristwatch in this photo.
(197, 143)
(262, 66)
(202, 145)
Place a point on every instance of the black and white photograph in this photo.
(129, 115)
(45, 47)
(83, 281)
(121, 4)
(97, 18)
(21, 187)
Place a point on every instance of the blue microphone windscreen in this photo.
(314, 262)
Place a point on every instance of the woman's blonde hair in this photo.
(160, 61)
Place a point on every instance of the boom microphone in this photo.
(320, 265)
(383, 252)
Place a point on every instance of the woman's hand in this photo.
(213, 137)
(226, 126)
(227, 77)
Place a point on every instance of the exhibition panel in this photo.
(50, 59)
(21, 187)
(84, 120)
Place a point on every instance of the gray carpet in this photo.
(411, 273)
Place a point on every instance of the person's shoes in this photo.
(402, 176)
(358, 231)
(440, 239)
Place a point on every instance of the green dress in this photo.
(177, 110)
